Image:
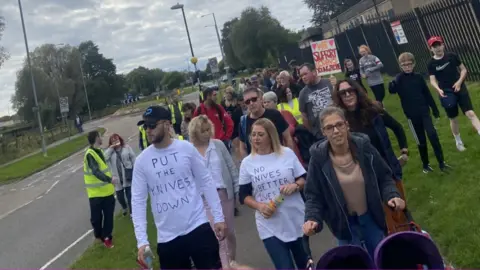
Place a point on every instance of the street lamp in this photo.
(180, 6)
(219, 41)
(37, 109)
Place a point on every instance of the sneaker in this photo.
(108, 243)
(461, 147)
(445, 168)
(427, 169)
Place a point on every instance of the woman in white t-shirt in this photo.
(271, 179)
(225, 175)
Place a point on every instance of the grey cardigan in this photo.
(128, 159)
(229, 170)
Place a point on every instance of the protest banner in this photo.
(325, 56)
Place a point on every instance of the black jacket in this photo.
(324, 196)
(414, 94)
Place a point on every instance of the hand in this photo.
(114, 180)
(457, 86)
(364, 76)
(396, 204)
(288, 189)
(265, 210)
(140, 254)
(441, 93)
(220, 230)
(310, 228)
(333, 80)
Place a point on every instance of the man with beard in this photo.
(172, 173)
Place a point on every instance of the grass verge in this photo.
(38, 162)
(442, 204)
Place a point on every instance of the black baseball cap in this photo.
(154, 114)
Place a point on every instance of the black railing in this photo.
(457, 21)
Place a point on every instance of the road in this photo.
(44, 219)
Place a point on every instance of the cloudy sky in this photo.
(133, 33)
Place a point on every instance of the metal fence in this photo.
(457, 21)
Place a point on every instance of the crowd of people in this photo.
(299, 149)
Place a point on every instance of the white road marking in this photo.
(13, 189)
(15, 209)
(39, 197)
(54, 184)
(66, 249)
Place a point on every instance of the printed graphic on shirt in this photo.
(319, 99)
(354, 76)
(267, 183)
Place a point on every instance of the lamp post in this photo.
(219, 42)
(37, 109)
(193, 59)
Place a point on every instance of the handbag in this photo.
(128, 172)
(449, 100)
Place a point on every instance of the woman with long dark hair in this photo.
(120, 158)
(346, 184)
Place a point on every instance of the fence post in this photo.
(475, 5)
(351, 47)
(363, 34)
(421, 23)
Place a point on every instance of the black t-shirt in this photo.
(236, 115)
(354, 75)
(445, 70)
(272, 115)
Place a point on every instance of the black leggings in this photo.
(121, 194)
(419, 126)
(379, 91)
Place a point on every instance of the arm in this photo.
(139, 205)
(231, 167)
(385, 180)
(93, 165)
(379, 65)
(463, 73)
(314, 200)
(131, 154)
(397, 129)
(429, 98)
(287, 139)
(361, 67)
(246, 189)
(302, 102)
(228, 124)
(204, 180)
(108, 154)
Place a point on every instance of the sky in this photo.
(132, 33)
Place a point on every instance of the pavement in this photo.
(44, 219)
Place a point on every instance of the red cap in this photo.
(434, 39)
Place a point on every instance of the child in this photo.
(352, 72)
(416, 101)
(449, 83)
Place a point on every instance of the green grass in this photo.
(443, 205)
(124, 254)
(38, 162)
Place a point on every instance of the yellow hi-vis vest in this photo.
(95, 187)
(144, 137)
(170, 106)
(295, 110)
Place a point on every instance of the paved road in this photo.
(44, 219)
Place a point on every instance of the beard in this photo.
(159, 137)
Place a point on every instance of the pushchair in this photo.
(409, 247)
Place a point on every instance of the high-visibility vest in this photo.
(295, 110)
(95, 187)
(144, 137)
(180, 137)
(170, 106)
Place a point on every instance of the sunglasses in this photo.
(344, 92)
(251, 100)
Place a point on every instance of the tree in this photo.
(323, 10)
(257, 38)
(233, 62)
(3, 52)
(145, 81)
(173, 80)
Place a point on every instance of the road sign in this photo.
(64, 108)
(213, 64)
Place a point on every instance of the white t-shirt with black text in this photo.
(174, 178)
(266, 173)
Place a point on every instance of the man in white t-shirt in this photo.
(173, 173)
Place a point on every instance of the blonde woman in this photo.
(271, 179)
(370, 69)
(224, 172)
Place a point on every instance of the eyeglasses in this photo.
(150, 125)
(251, 100)
(344, 92)
(406, 65)
(330, 128)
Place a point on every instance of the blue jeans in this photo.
(281, 253)
(366, 233)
